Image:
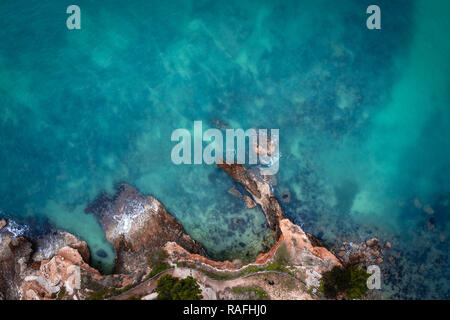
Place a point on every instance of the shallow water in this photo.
(363, 118)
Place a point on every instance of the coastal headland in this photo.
(140, 229)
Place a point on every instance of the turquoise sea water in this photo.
(364, 119)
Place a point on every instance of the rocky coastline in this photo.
(135, 225)
(56, 266)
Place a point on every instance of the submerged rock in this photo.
(372, 242)
(220, 124)
(234, 192)
(271, 179)
(2, 223)
(417, 203)
(249, 202)
(428, 209)
(236, 222)
(375, 253)
(101, 253)
(286, 196)
(261, 192)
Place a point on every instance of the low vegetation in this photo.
(61, 293)
(100, 292)
(250, 293)
(350, 282)
(171, 288)
(157, 261)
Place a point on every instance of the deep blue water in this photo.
(363, 115)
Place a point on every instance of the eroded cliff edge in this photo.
(137, 225)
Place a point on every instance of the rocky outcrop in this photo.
(55, 266)
(136, 225)
(302, 252)
(52, 266)
(305, 254)
(2, 223)
(250, 204)
(51, 243)
(15, 254)
(366, 253)
(260, 191)
(60, 277)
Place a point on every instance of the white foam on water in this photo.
(132, 212)
(15, 229)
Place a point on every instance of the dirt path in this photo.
(144, 288)
(209, 286)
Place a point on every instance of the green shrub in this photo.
(156, 261)
(100, 292)
(350, 281)
(251, 293)
(61, 293)
(158, 269)
(282, 255)
(171, 288)
(157, 257)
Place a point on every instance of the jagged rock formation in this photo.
(262, 194)
(136, 225)
(55, 266)
(57, 277)
(365, 253)
(306, 254)
(14, 256)
(49, 245)
(260, 191)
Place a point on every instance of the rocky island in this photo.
(140, 229)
